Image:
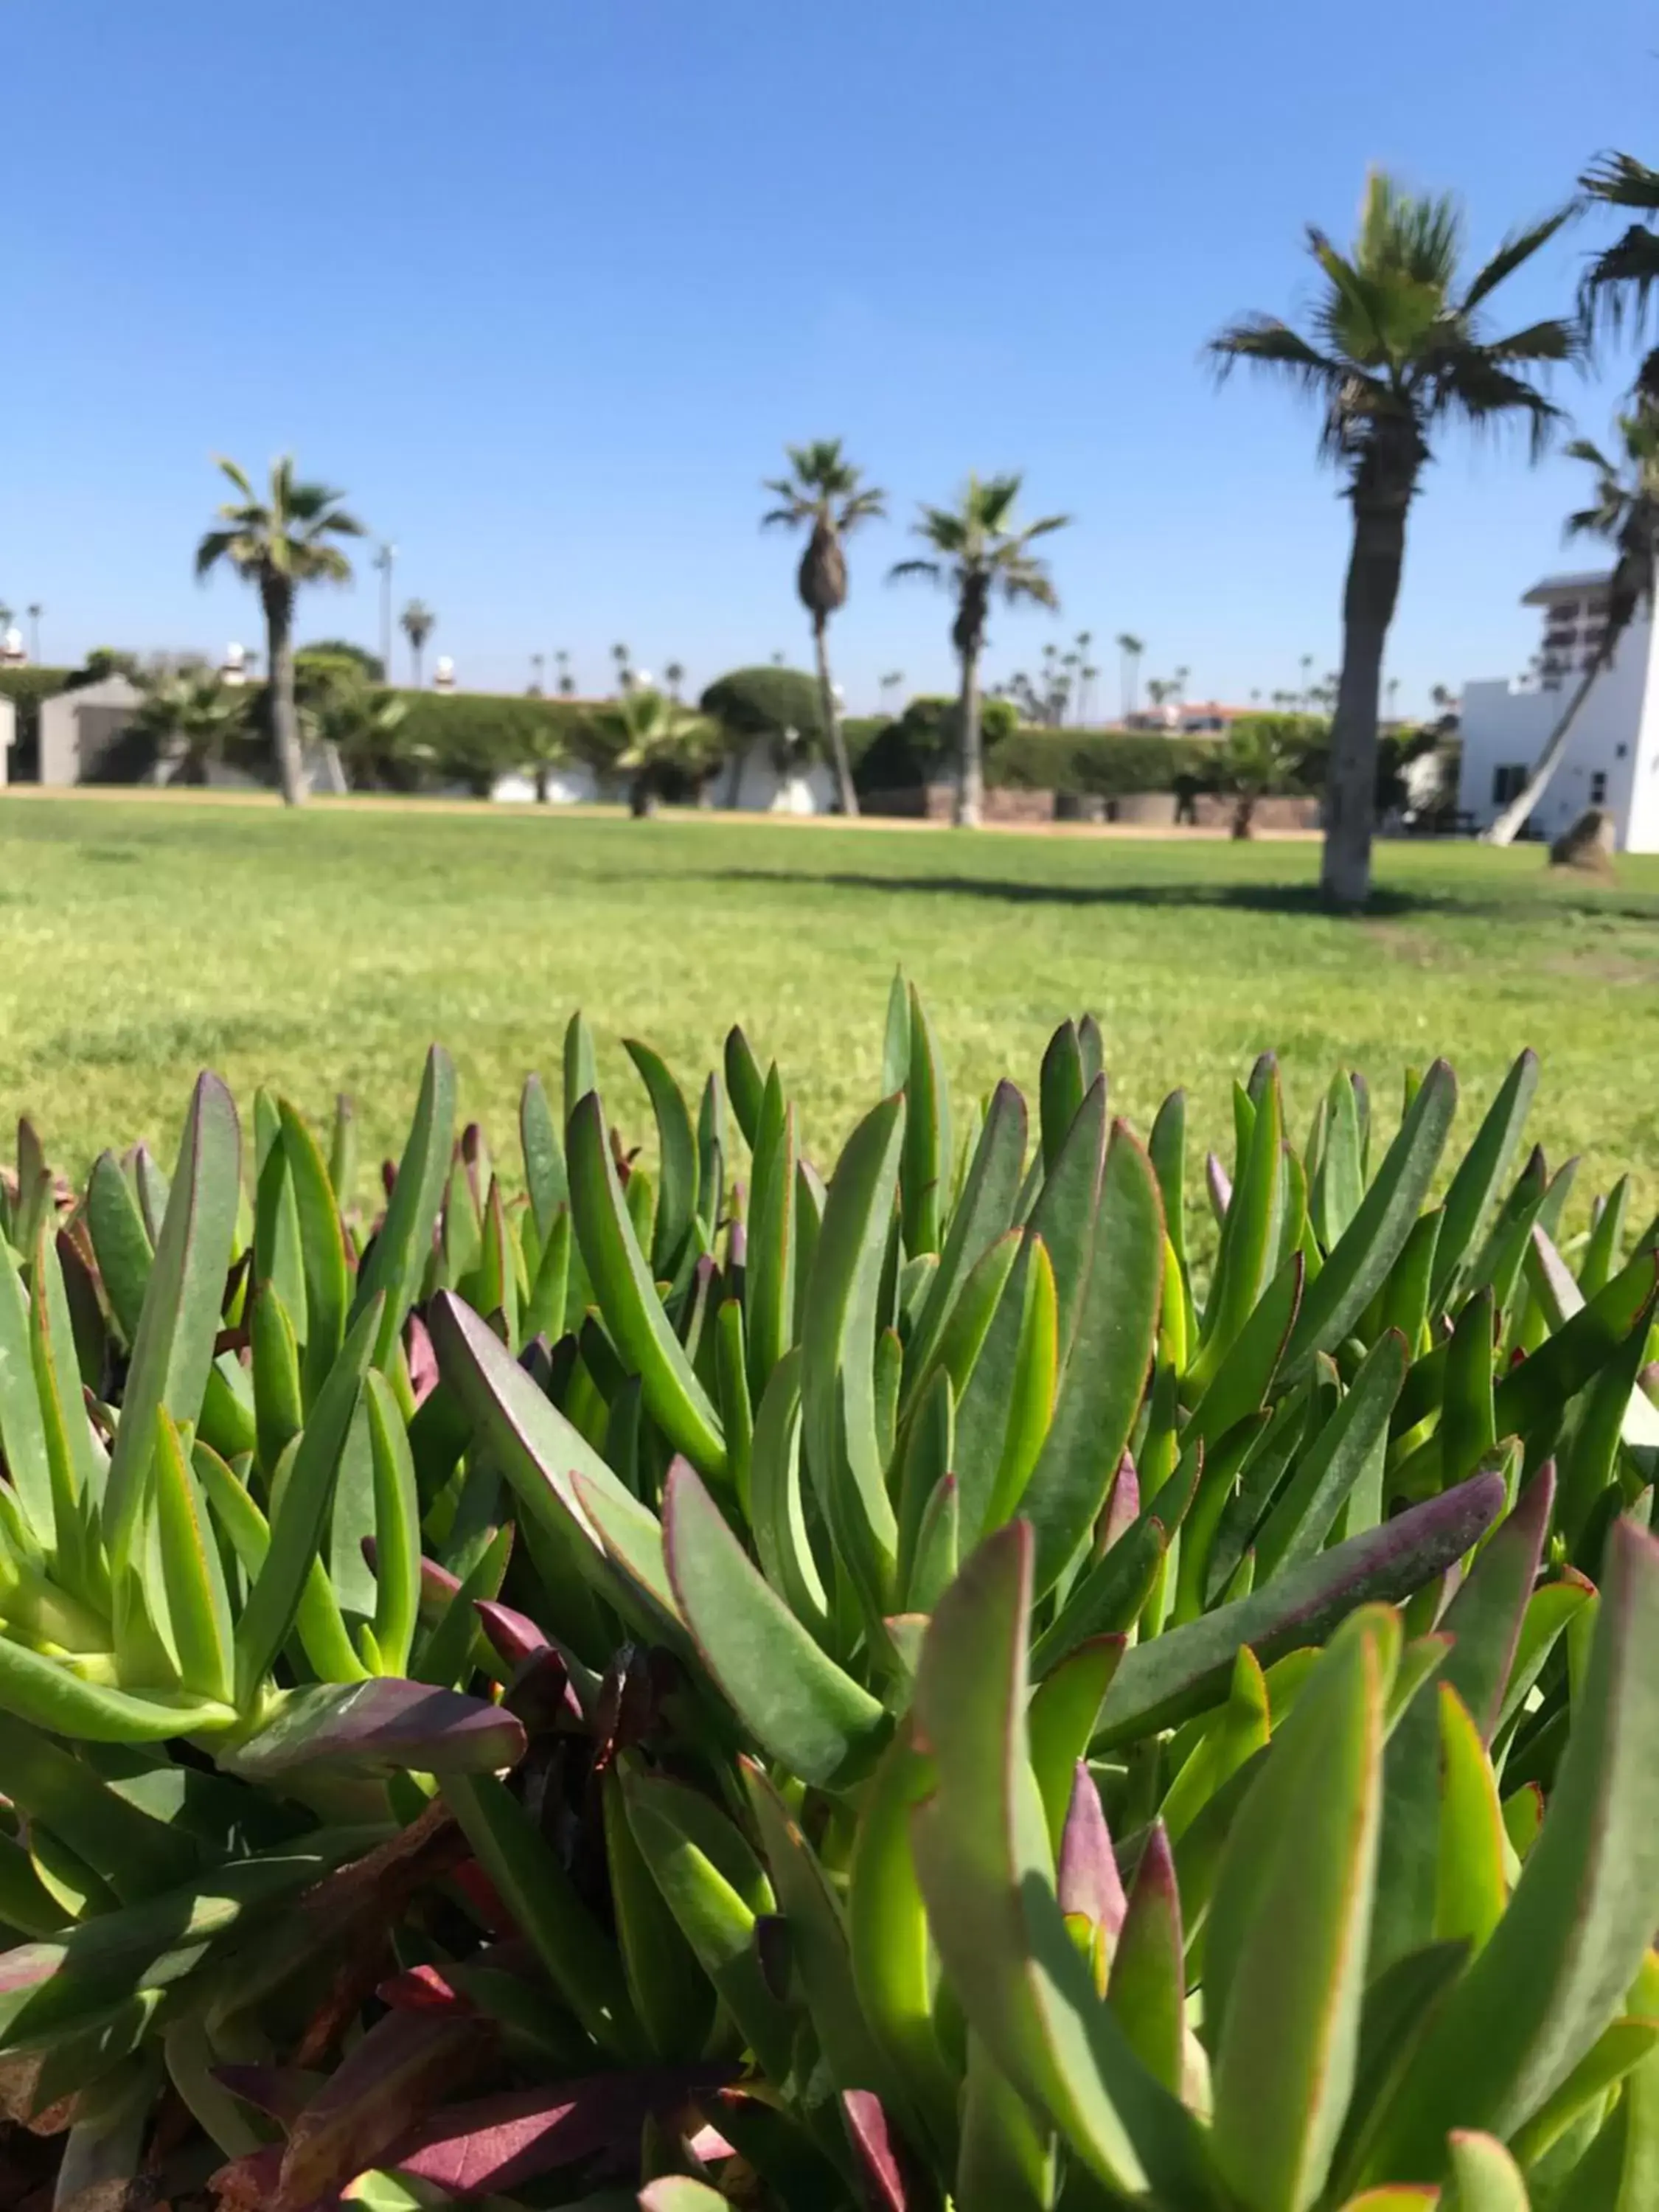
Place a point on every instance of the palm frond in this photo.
(786, 515)
(1587, 450)
(1621, 278)
(933, 570)
(1486, 395)
(217, 545)
(1552, 339)
(1049, 522)
(1264, 342)
(1622, 181)
(1517, 248)
(236, 476)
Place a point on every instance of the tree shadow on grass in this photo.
(1387, 903)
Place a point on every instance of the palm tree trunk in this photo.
(1513, 819)
(970, 791)
(1373, 585)
(414, 655)
(844, 791)
(284, 711)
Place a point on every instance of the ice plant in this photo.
(699, 1683)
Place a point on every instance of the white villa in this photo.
(1612, 758)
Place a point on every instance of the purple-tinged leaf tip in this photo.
(1088, 1882)
(1123, 1507)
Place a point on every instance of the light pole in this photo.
(383, 561)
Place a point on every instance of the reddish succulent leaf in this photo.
(497, 2143)
(384, 1723)
(371, 2099)
(424, 1989)
(513, 1636)
(877, 2149)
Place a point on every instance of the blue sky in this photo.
(547, 286)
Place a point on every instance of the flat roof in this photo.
(1564, 587)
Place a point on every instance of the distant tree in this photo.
(674, 676)
(978, 550)
(823, 494)
(278, 544)
(345, 648)
(417, 621)
(347, 714)
(1130, 648)
(646, 733)
(1259, 755)
(1397, 350)
(1624, 513)
(1160, 688)
(191, 708)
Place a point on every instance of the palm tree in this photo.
(1160, 688)
(1181, 676)
(1624, 274)
(566, 681)
(623, 659)
(674, 676)
(1131, 649)
(417, 621)
(1307, 676)
(1624, 513)
(977, 550)
(823, 491)
(647, 731)
(1083, 641)
(35, 611)
(1397, 350)
(278, 544)
(191, 707)
(1442, 699)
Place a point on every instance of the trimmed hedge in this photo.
(479, 735)
(763, 702)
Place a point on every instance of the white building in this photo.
(1612, 758)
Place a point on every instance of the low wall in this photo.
(1148, 810)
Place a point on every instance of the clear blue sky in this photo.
(545, 286)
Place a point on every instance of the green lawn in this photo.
(140, 941)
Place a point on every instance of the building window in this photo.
(1598, 787)
(1620, 752)
(1508, 782)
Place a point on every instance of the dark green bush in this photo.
(920, 746)
(763, 702)
(1104, 763)
(473, 736)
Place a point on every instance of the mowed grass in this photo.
(141, 940)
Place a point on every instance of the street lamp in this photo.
(383, 561)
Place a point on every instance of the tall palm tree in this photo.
(1181, 676)
(674, 676)
(1624, 512)
(417, 621)
(1307, 676)
(278, 544)
(1397, 348)
(1131, 649)
(977, 550)
(822, 492)
(35, 611)
(566, 681)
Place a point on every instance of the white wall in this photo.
(759, 787)
(1616, 736)
(566, 787)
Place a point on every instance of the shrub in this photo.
(921, 746)
(763, 702)
(1109, 763)
(473, 736)
(906, 1687)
